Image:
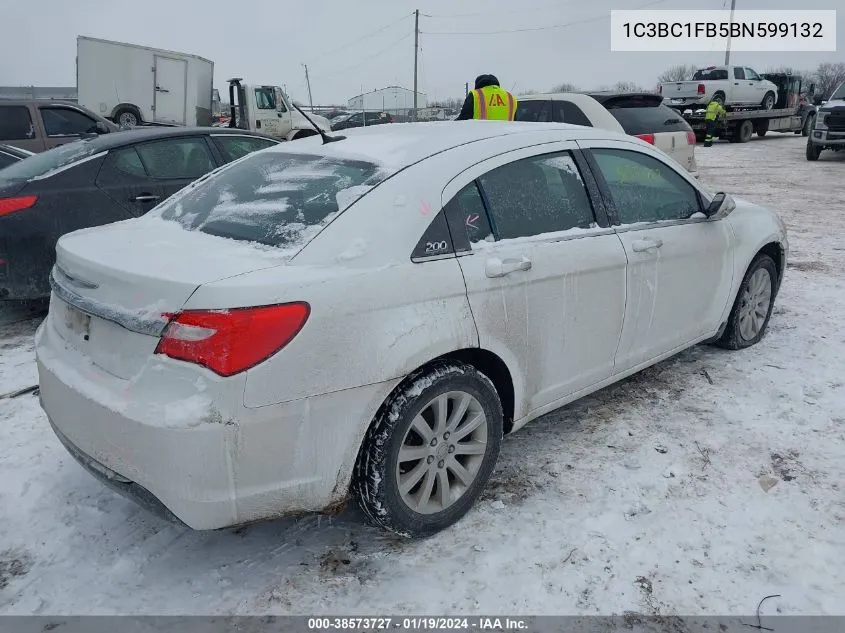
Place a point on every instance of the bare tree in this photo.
(828, 77)
(627, 86)
(565, 87)
(680, 72)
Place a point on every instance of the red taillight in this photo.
(701, 89)
(648, 138)
(10, 205)
(231, 341)
(690, 137)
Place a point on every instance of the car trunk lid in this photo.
(114, 285)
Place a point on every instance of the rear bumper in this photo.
(209, 463)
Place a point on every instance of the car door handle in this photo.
(642, 246)
(159, 89)
(499, 268)
(146, 198)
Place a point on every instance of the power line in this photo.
(546, 7)
(376, 54)
(363, 37)
(536, 28)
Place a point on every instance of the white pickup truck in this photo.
(736, 86)
(267, 110)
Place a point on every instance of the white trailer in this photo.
(134, 85)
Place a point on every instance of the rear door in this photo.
(742, 90)
(174, 163)
(546, 282)
(171, 90)
(124, 179)
(18, 127)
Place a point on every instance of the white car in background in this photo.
(367, 317)
(639, 114)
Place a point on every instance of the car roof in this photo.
(399, 145)
(122, 138)
(603, 97)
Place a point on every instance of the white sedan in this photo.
(367, 317)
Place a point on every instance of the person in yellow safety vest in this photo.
(714, 111)
(488, 101)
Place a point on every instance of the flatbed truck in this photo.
(792, 113)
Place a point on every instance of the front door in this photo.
(171, 89)
(756, 88)
(680, 267)
(545, 282)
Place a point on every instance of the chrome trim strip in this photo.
(75, 281)
(624, 228)
(127, 319)
(70, 165)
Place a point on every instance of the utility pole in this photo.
(466, 89)
(308, 82)
(416, 56)
(728, 50)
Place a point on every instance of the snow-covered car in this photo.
(829, 128)
(639, 114)
(366, 318)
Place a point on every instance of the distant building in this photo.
(38, 92)
(390, 99)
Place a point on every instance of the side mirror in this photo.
(102, 128)
(812, 89)
(720, 207)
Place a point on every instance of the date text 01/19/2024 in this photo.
(417, 624)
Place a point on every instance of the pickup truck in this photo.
(733, 86)
(829, 130)
(37, 125)
(267, 110)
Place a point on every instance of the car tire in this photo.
(420, 434)
(753, 305)
(762, 128)
(813, 150)
(808, 125)
(768, 102)
(127, 117)
(720, 97)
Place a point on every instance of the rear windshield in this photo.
(710, 74)
(39, 165)
(647, 118)
(272, 198)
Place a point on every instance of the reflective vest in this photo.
(714, 111)
(493, 102)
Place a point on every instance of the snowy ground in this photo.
(696, 487)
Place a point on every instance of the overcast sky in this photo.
(267, 41)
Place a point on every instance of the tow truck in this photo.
(266, 109)
(793, 112)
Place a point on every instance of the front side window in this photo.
(750, 74)
(645, 189)
(265, 99)
(273, 198)
(15, 123)
(177, 158)
(538, 195)
(67, 122)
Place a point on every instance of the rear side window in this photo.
(710, 75)
(40, 165)
(15, 123)
(568, 112)
(647, 118)
(533, 111)
(178, 158)
(533, 196)
(467, 218)
(273, 198)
